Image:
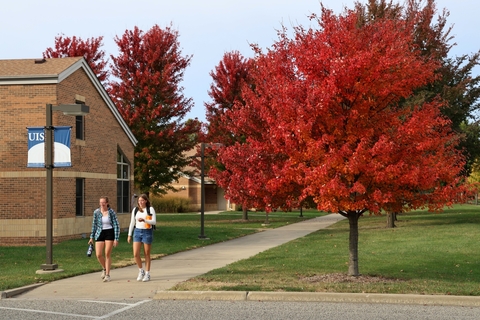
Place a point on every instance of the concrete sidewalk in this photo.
(173, 269)
(167, 271)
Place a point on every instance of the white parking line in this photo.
(51, 312)
(123, 309)
(127, 307)
(108, 302)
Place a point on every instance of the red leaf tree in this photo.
(77, 47)
(327, 101)
(147, 92)
(455, 83)
(229, 77)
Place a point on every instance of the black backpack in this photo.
(148, 212)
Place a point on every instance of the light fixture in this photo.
(72, 109)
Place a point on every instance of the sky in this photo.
(207, 28)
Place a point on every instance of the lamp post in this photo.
(202, 192)
(67, 109)
(202, 187)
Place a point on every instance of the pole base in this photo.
(48, 271)
(202, 237)
(49, 266)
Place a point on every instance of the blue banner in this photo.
(36, 147)
(61, 147)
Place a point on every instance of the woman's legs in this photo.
(108, 254)
(146, 251)
(136, 254)
(99, 245)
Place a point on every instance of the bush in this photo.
(170, 204)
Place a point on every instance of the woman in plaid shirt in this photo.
(106, 232)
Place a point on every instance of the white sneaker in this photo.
(107, 278)
(103, 273)
(146, 277)
(141, 274)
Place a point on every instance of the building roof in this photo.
(53, 71)
(197, 176)
(32, 68)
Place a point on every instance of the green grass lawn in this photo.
(427, 253)
(175, 233)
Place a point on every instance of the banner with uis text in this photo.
(61, 147)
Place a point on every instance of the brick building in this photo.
(189, 186)
(102, 150)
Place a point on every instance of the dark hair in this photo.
(144, 197)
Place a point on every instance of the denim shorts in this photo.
(143, 235)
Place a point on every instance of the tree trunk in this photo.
(353, 242)
(391, 218)
(301, 212)
(245, 213)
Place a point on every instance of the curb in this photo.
(437, 300)
(202, 295)
(13, 292)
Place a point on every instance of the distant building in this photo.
(189, 186)
(102, 151)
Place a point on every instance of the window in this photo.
(79, 128)
(123, 183)
(79, 196)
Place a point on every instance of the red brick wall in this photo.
(23, 192)
(21, 106)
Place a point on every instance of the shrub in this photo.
(170, 204)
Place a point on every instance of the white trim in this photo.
(197, 180)
(57, 78)
(20, 80)
(82, 63)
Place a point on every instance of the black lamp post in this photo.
(202, 192)
(67, 109)
(202, 187)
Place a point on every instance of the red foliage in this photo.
(77, 47)
(148, 95)
(324, 115)
(229, 77)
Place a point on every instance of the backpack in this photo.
(154, 227)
